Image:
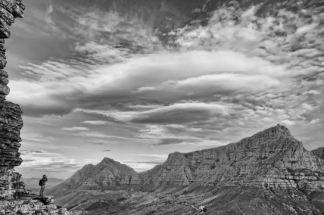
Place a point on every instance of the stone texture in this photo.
(32, 205)
(10, 114)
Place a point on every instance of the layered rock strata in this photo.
(10, 114)
(272, 158)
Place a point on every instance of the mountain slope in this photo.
(105, 174)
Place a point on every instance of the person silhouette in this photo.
(42, 183)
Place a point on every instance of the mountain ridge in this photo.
(270, 158)
(269, 172)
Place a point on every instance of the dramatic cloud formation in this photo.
(128, 80)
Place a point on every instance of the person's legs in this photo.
(42, 190)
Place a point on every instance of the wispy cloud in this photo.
(43, 161)
(36, 137)
(75, 129)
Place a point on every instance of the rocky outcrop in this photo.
(319, 152)
(33, 205)
(10, 114)
(272, 158)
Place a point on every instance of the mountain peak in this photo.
(108, 160)
(278, 130)
(270, 133)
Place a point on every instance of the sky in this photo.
(102, 79)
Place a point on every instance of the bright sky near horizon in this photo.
(95, 83)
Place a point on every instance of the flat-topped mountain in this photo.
(270, 158)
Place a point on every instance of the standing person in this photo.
(42, 184)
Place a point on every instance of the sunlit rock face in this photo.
(319, 152)
(10, 114)
(272, 158)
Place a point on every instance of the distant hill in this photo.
(32, 183)
(108, 173)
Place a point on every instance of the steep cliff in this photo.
(10, 114)
(271, 158)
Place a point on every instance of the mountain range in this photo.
(271, 163)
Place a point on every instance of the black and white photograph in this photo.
(161, 107)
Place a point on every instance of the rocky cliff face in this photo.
(272, 158)
(10, 114)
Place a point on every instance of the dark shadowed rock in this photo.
(10, 114)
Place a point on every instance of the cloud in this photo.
(124, 80)
(159, 135)
(104, 136)
(36, 137)
(43, 161)
(26, 152)
(169, 141)
(155, 156)
(75, 129)
(180, 113)
(98, 122)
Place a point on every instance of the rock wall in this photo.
(10, 114)
(272, 158)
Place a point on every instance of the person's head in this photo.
(44, 176)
